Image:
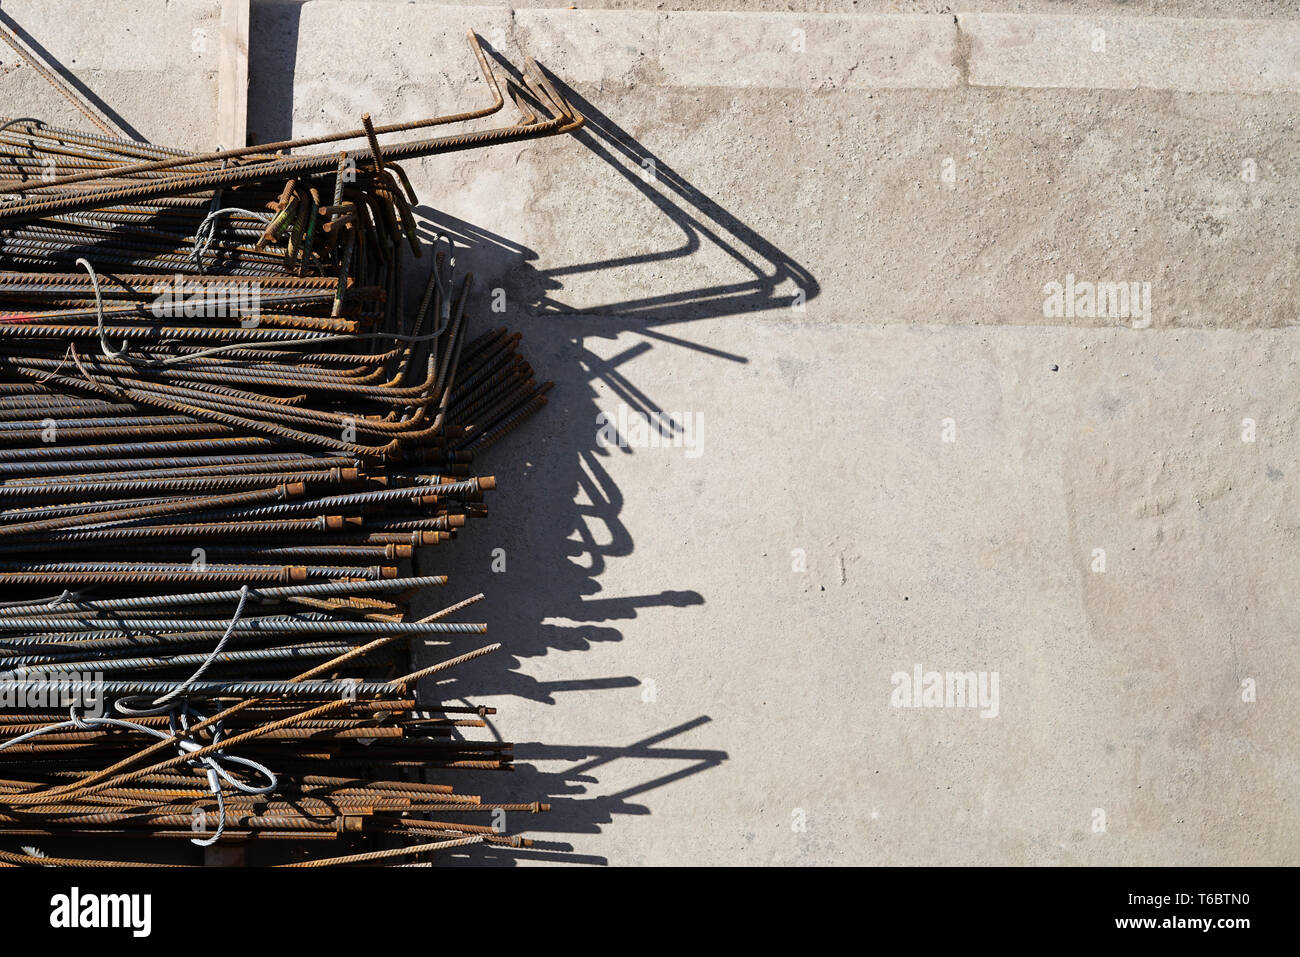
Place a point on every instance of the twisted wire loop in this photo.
(230, 630)
(206, 232)
(180, 714)
(99, 314)
(179, 711)
(286, 410)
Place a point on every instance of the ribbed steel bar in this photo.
(225, 441)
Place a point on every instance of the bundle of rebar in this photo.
(225, 442)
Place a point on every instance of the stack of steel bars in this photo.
(224, 441)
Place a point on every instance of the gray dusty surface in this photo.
(832, 256)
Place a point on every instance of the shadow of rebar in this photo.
(570, 509)
(557, 500)
(67, 76)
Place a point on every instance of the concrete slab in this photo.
(775, 51)
(1246, 9)
(713, 716)
(706, 647)
(837, 279)
(818, 282)
(1129, 53)
(152, 66)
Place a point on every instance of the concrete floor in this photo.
(823, 242)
